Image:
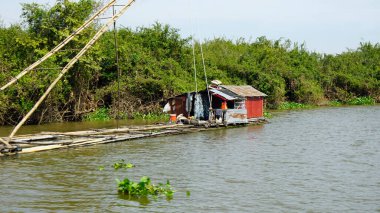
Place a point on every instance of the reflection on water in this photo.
(322, 160)
(143, 200)
(72, 126)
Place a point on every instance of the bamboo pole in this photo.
(69, 65)
(59, 46)
(6, 143)
(117, 131)
(41, 148)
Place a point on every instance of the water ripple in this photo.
(321, 160)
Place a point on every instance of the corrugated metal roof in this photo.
(245, 91)
(230, 93)
(223, 94)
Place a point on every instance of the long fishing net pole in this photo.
(69, 65)
(59, 46)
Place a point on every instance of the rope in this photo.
(205, 73)
(195, 68)
(204, 68)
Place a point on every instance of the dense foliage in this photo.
(156, 63)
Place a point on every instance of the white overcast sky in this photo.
(326, 26)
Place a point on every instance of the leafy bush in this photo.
(157, 64)
(99, 115)
(309, 92)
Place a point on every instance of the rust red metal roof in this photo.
(246, 90)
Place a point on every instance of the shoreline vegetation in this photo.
(334, 103)
(157, 63)
(362, 101)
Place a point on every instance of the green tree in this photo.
(157, 63)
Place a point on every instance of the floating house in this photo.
(219, 104)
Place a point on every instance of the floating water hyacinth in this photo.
(144, 188)
(122, 165)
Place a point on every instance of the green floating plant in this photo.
(140, 190)
(144, 188)
(121, 164)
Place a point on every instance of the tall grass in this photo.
(150, 116)
(362, 101)
(335, 103)
(293, 105)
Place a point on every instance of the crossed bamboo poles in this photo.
(101, 31)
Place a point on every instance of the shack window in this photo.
(239, 104)
(230, 104)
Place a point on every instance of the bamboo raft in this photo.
(45, 141)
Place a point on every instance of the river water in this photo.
(320, 160)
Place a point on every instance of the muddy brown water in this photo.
(320, 160)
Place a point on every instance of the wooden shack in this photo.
(226, 104)
(254, 99)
